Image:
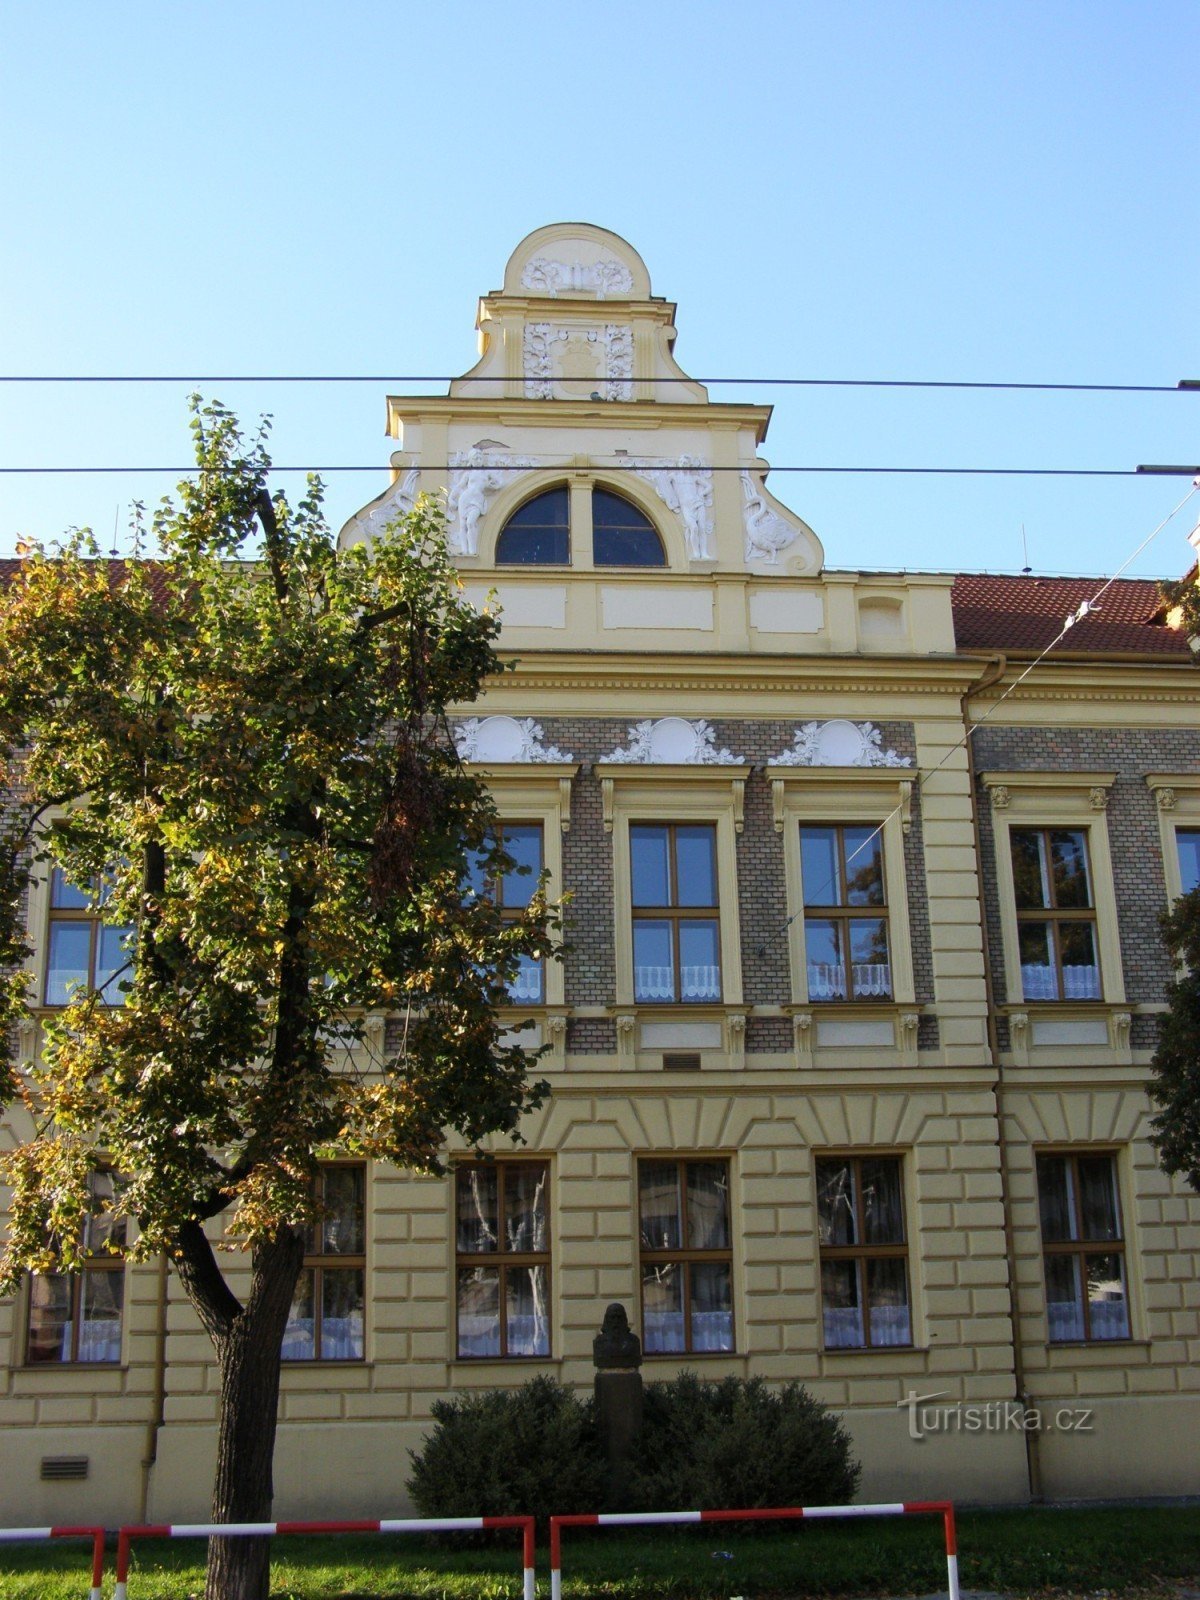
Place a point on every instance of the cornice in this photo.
(545, 413)
(782, 675)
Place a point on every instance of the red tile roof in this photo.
(1003, 613)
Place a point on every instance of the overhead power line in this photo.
(610, 467)
(1184, 385)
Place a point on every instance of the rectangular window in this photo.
(676, 927)
(76, 1317)
(686, 1257)
(1187, 841)
(864, 1252)
(502, 1257)
(512, 892)
(83, 951)
(1056, 917)
(327, 1316)
(1082, 1248)
(845, 913)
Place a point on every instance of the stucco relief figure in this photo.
(767, 533)
(475, 476)
(602, 278)
(839, 743)
(686, 488)
(673, 740)
(503, 738)
(396, 503)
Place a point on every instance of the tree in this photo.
(1175, 1087)
(242, 745)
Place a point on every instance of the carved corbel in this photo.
(735, 1024)
(606, 803)
(1120, 1024)
(906, 794)
(739, 804)
(777, 793)
(802, 1025)
(1167, 800)
(564, 804)
(1098, 798)
(1001, 797)
(27, 1031)
(626, 1035)
(1018, 1029)
(910, 1021)
(375, 1035)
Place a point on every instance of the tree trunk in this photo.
(250, 1356)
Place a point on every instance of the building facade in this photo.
(850, 1039)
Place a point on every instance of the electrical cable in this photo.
(920, 776)
(1183, 386)
(984, 472)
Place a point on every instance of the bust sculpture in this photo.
(616, 1345)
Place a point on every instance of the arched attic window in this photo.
(538, 533)
(623, 536)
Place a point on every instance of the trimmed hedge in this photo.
(734, 1444)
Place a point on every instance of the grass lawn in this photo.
(1080, 1552)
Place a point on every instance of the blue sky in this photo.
(859, 189)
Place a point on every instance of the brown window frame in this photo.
(1054, 914)
(502, 1259)
(685, 1256)
(102, 1261)
(677, 914)
(493, 889)
(1082, 1247)
(864, 1251)
(93, 916)
(842, 913)
(318, 1262)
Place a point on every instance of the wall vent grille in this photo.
(58, 1469)
(681, 1060)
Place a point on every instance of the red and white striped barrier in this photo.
(36, 1535)
(247, 1530)
(897, 1508)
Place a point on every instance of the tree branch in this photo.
(216, 1304)
(265, 507)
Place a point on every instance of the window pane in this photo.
(1072, 884)
(1039, 975)
(864, 866)
(342, 1314)
(836, 1217)
(819, 867)
(68, 896)
(883, 1210)
(695, 866)
(1108, 1313)
(826, 968)
(526, 1222)
(114, 946)
(526, 1311)
(300, 1336)
(1031, 881)
(662, 1307)
(1064, 1305)
(341, 1229)
(68, 961)
(102, 1295)
(1189, 858)
(653, 961)
(840, 1309)
(622, 535)
(712, 1306)
(1056, 1199)
(1081, 965)
(476, 1189)
(659, 1205)
(699, 961)
(870, 969)
(479, 1311)
(526, 987)
(537, 532)
(708, 1205)
(1098, 1198)
(524, 844)
(887, 1296)
(49, 1318)
(648, 860)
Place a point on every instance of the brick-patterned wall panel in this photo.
(1132, 826)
